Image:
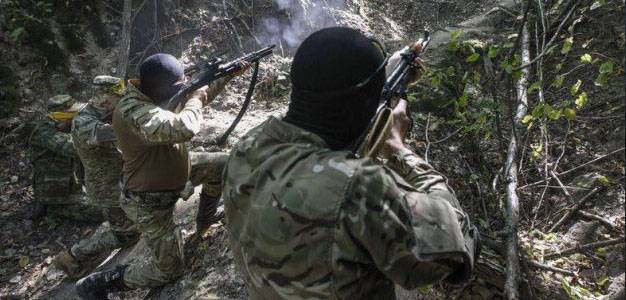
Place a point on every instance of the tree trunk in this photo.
(127, 25)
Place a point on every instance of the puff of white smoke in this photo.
(302, 17)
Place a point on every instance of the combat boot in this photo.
(70, 265)
(98, 285)
(210, 211)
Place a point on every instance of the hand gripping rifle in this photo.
(395, 85)
(214, 69)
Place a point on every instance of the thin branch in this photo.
(556, 34)
(538, 265)
(600, 219)
(560, 184)
(590, 246)
(574, 209)
(575, 168)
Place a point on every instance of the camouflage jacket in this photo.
(152, 139)
(308, 222)
(101, 159)
(53, 158)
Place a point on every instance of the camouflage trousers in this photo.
(206, 170)
(152, 213)
(117, 232)
(73, 206)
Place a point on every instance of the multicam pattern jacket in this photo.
(53, 158)
(306, 222)
(101, 159)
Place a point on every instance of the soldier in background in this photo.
(157, 167)
(309, 220)
(57, 171)
(95, 144)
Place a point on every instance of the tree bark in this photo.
(127, 25)
(511, 286)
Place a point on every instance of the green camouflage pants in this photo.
(73, 206)
(152, 214)
(206, 170)
(117, 232)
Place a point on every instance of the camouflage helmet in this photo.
(60, 103)
(109, 84)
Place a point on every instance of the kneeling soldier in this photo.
(95, 144)
(57, 171)
(156, 169)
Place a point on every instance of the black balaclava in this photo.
(160, 77)
(325, 72)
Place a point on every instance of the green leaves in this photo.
(575, 87)
(493, 51)
(569, 113)
(555, 114)
(567, 45)
(586, 58)
(472, 58)
(606, 68)
(454, 45)
(581, 100)
(558, 81)
(534, 86)
(575, 292)
(16, 34)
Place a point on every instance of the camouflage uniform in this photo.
(151, 211)
(56, 168)
(306, 222)
(103, 168)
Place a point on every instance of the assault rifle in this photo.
(395, 85)
(214, 69)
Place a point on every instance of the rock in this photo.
(14, 179)
(16, 279)
(615, 262)
(48, 260)
(54, 274)
(583, 232)
(617, 284)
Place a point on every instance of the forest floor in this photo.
(27, 247)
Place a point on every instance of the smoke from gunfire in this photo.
(297, 19)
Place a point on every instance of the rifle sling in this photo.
(222, 139)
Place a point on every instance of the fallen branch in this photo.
(538, 265)
(574, 209)
(511, 286)
(602, 220)
(563, 188)
(590, 246)
(575, 168)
